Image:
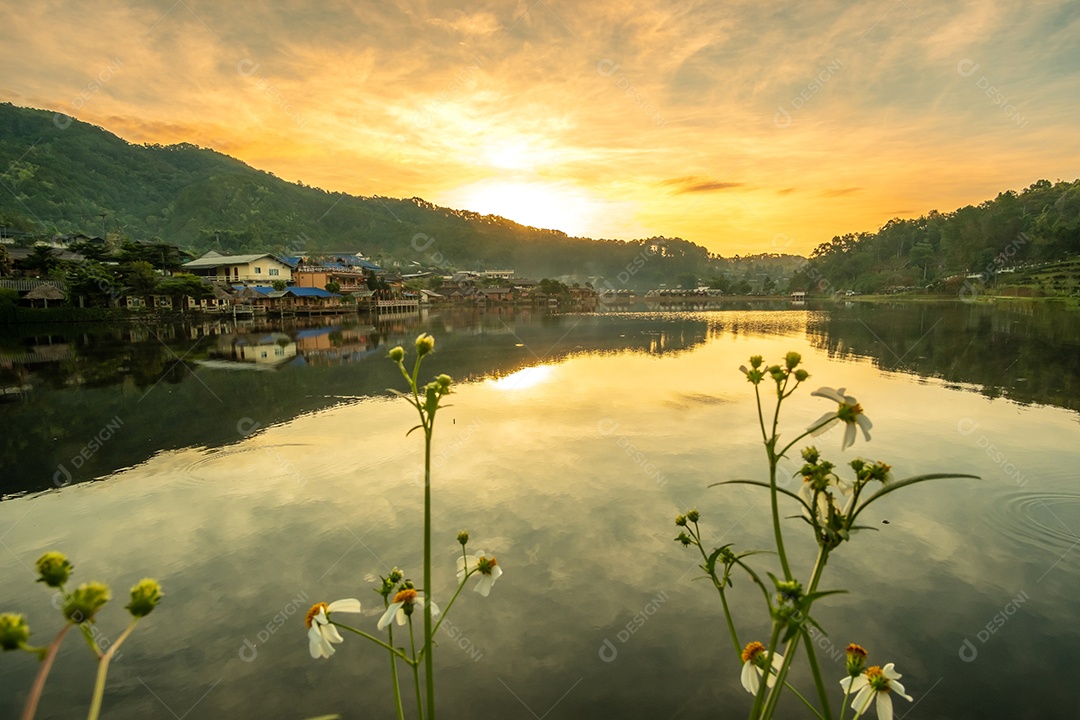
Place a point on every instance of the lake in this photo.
(258, 468)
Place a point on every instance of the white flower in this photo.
(875, 682)
(320, 632)
(753, 657)
(850, 412)
(488, 568)
(405, 603)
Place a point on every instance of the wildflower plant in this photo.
(829, 505)
(79, 608)
(406, 606)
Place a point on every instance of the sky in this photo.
(746, 127)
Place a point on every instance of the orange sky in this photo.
(743, 126)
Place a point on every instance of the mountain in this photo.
(995, 244)
(66, 176)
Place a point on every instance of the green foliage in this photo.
(202, 200)
(141, 278)
(549, 286)
(1040, 224)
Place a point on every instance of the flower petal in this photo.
(749, 678)
(849, 436)
(348, 605)
(315, 642)
(884, 706)
(331, 634)
(865, 425)
(388, 616)
(837, 396)
(898, 689)
(818, 428)
(862, 700)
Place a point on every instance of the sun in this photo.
(541, 204)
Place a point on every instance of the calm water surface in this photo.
(255, 486)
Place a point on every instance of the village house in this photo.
(246, 269)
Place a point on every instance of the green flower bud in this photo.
(756, 361)
(424, 344)
(397, 354)
(145, 596)
(856, 660)
(14, 632)
(792, 359)
(680, 520)
(85, 601)
(444, 382)
(789, 591)
(685, 539)
(693, 516)
(801, 375)
(431, 397)
(54, 568)
(810, 454)
(396, 575)
(463, 538)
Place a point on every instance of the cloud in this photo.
(424, 98)
(837, 192)
(691, 184)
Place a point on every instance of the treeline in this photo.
(1039, 225)
(74, 177)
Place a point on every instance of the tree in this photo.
(687, 281)
(333, 286)
(279, 285)
(141, 277)
(41, 260)
(183, 285)
(5, 262)
(93, 283)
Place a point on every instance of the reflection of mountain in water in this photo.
(171, 386)
(1026, 353)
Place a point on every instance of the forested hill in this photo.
(1039, 225)
(62, 175)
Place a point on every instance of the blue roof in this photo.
(315, 332)
(310, 292)
(264, 289)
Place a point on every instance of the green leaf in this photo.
(904, 483)
(765, 485)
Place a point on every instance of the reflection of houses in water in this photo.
(334, 345)
(260, 349)
(17, 368)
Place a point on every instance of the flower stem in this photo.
(815, 670)
(730, 622)
(792, 644)
(429, 665)
(806, 702)
(446, 611)
(416, 671)
(43, 672)
(394, 673)
(774, 497)
(372, 638)
(103, 671)
(759, 698)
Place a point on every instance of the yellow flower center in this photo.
(877, 679)
(315, 609)
(407, 596)
(752, 650)
(854, 649)
(485, 565)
